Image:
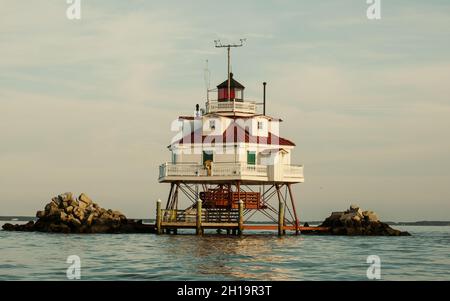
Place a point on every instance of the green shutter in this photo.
(251, 158)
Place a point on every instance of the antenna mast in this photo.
(207, 77)
(219, 44)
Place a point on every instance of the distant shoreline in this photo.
(147, 221)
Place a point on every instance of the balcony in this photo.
(233, 106)
(223, 172)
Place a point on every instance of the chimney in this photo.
(264, 99)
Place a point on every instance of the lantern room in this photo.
(236, 90)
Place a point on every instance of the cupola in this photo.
(236, 90)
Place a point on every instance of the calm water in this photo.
(38, 256)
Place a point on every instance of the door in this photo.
(208, 156)
(251, 158)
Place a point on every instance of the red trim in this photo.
(232, 135)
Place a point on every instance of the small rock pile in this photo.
(355, 221)
(64, 214)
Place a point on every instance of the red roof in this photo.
(234, 134)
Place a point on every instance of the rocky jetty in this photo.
(355, 221)
(65, 214)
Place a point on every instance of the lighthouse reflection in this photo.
(251, 257)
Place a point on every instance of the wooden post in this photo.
(241, 217)
(281, 219)
(158, 217)
(199, 230)
(238, 186)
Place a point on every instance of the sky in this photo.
(86, 105)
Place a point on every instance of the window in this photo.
(208, 156)
(212, 124)
(260, 125)
(239, 94)
(251, 158)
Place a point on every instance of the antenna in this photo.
(207, 77)
(219, 44)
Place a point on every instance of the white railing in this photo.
(217, 169)
(240, 169)
(185, 170)
(248, 107)
(293, 171)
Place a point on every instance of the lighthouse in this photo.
(229, 166)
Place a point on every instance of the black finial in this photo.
(197, 107)
(231, 74)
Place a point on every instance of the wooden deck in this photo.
(251, 227)
(289, 228)
(185, 225)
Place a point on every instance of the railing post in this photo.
(241, 217)
(199, 230)
(158, 217)
(281, 219)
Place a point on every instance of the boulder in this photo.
(53, 213)
(336, 215)
(85, 199)
(354, 207)
(28, 227)
(66, 196)
(79, 213)
(69, 209)
(356, 218)
(64, 214)
(56, 201)
(50, 206)
(101, 229)
(59, 228)
(75, 222)
(348, 216)
(370, 216)
(357, 222)
(82, 205)
(40, 214)
(90, 219)
(8, 227)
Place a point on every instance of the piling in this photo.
(281, 219)
(199, 230)
(158, 217)
(241, 217)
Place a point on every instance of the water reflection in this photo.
(38, 256)
(252, 257)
